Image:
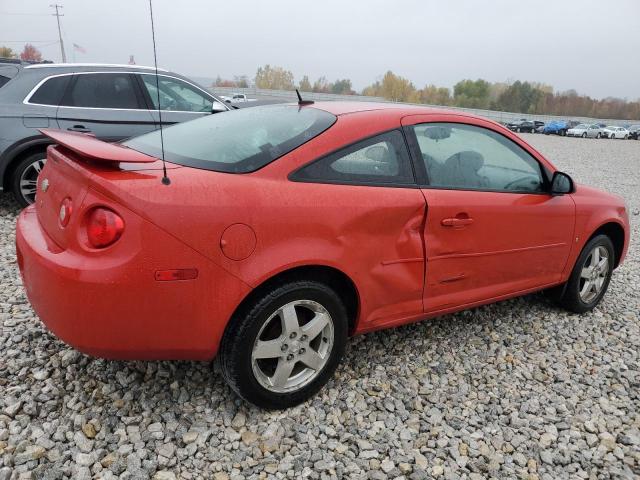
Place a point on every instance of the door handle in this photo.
(79, 128)
(456, 222)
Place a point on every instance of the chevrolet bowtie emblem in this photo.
(44, 185)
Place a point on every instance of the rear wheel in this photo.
(25, 177)
(286, 345)
(590, 277)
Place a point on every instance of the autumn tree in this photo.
(433, 95)
(274, 78)
(305, 84)
(393, 87)
(321, 85)
(31, 54)
(241, 81)
(6, 52)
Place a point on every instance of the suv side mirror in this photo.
(561, 183)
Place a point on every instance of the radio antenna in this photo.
(165, 178)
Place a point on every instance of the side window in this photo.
(176, 95)
(102, 90)
(51, 91)
(467, 157)
(377, 160)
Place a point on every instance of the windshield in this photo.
(582, 126)
(238, 141)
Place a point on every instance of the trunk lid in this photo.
(73, 166)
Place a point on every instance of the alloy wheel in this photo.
(594, 274)
(29, 180)
(292, 346)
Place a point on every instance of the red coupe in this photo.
(285, 229)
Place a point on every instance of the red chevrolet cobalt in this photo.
(285, 229)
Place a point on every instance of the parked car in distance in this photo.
(585, 130)
(537, 124)
(615, 132)
(291, 227)
(634, 132)
(112, 102)
(521, 126)
(556, 127)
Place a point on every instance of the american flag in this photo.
(79, 48)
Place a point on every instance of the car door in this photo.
(180, 100)
(369, 189)
(108, 105)
(492, 230)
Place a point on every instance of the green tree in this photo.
(6, 52)
(471, 93)
(275, 78)
(520, 97)
(305, 84)
(342, 87)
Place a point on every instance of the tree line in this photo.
(520, 97)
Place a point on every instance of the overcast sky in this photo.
(591, 46)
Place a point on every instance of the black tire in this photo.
(17, 174)
(571, 299)
(598, 135)
(241, 334)
(584, 135)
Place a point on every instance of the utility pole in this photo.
(58, 15)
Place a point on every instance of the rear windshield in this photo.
(238, 141)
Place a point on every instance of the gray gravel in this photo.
(514, 390)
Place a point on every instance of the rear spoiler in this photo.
(93, 149)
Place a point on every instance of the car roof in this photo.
(346, 108)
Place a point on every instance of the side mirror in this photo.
(561, 183)
(217, 107)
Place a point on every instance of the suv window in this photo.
(467, 157)
(176, 95)
(51, 91)
(382, 159)
(102, 90)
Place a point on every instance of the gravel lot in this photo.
(518, 389)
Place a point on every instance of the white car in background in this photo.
(615, 132)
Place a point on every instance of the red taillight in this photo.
(104, 227)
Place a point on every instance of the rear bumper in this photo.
(111, 306)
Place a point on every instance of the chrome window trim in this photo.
(41, 82)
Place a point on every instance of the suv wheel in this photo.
(286, 346)
(25, 177)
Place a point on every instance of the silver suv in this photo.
(112, 102)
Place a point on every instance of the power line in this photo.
(28, 41)
(25, 14)
(58, 15)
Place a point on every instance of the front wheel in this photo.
(285, 346)
(25, 177)
(584, 135)
(598, 135)
(590, 277)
